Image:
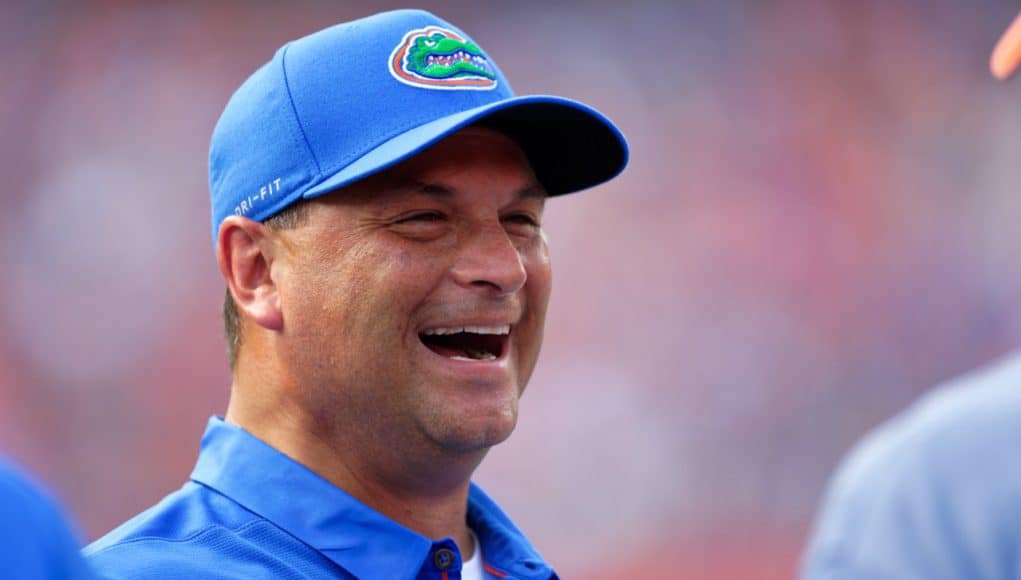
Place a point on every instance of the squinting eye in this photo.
(422, 217)
(524, 219)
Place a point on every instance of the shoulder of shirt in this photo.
(179, 517)
(958, 423)
(947, 456)
(195, 532)
(184, 529)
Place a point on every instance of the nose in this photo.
(489, 261)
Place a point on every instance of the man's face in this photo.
(414, 301)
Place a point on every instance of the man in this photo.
(935, 493)
(36, 542)
(377, 196)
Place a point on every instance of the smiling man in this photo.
(377, 194)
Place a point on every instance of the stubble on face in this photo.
(452, 236)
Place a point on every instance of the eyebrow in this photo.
(533, 190)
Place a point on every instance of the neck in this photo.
(425, 491)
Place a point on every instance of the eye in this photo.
(522, 219)
(425, 216)
(421, 224)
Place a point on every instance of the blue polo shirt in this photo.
(251, 512)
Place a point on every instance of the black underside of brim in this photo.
(568, 149)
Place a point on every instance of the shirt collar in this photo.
(363, 541)
(504, 547)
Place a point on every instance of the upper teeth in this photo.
(504, 329)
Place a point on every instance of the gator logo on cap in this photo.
(436, 58)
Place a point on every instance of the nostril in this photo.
(490, 260)
(486, 284)
(492, 273)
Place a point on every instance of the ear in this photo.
(244, 252)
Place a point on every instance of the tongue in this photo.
(448, 351)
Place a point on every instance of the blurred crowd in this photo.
(817, 225)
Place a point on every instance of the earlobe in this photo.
(244, 254)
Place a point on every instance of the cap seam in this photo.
(294, 109)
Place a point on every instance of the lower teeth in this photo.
(476, 356)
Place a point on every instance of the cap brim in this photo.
(570, 145)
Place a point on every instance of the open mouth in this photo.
(469, 343)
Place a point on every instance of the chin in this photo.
(478, 433)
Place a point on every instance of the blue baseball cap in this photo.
(346, 102)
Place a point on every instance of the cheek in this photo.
(405, 261)
(537, 293)
(536, 259)
(327, 292)
(382, 288)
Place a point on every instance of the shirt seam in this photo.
(188, 538)
(259, 518)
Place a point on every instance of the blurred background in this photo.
(818, 225)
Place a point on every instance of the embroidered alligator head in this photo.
(438, 58)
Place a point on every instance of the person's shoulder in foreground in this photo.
(933, 493)
(251, 512)
(36, 540)
(377, 199)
